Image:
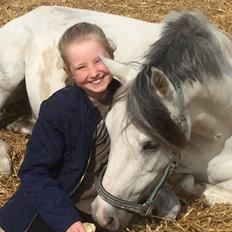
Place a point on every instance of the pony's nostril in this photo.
(111, 224)
(110, 221)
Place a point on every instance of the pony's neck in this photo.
(211, 100)
(209, 112)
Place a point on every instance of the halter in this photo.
(146, 208)
(143, 209)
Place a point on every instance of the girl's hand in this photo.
(76, 227)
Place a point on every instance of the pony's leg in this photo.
(8, 97)
(219, 189)
(185, 185)
(17, 112)
(22, 125)
(5, 162)
(215, 194)
(12, 68)
(184, 182)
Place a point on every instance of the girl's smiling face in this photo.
(86, 69)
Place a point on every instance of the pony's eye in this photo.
(151, 146)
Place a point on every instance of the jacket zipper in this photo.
(82, 177)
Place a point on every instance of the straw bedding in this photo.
(196, 215)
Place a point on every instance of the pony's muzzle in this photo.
(108, 216)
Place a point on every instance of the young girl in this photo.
(69, 143)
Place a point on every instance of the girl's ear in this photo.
(68, 80)
(66, 69)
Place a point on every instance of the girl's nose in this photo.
(93, 72)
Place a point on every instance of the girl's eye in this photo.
(151, 146)
(79, 67)
(96, 61)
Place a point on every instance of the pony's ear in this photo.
(161, 82)
(122, 72)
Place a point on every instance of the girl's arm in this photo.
(44, 154)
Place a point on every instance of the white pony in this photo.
(176, 108)
(28, 48)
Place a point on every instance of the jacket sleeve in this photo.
(44, 154)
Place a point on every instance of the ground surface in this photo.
(196, 215)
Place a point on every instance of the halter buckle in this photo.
(146, 209)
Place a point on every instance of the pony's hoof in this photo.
(5, 166)
(22, 126)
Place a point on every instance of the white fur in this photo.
(206, 159)
(5, 162)
(28, 47)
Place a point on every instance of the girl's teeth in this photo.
(96, 81)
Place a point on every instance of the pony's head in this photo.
(150, 120)
(139, 153)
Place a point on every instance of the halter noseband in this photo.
(145, 209)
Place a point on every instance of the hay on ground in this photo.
(196, 216)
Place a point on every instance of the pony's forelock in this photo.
(146, 110)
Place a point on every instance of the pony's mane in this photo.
(190, 48)
(121, 93)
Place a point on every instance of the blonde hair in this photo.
(83, 31)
